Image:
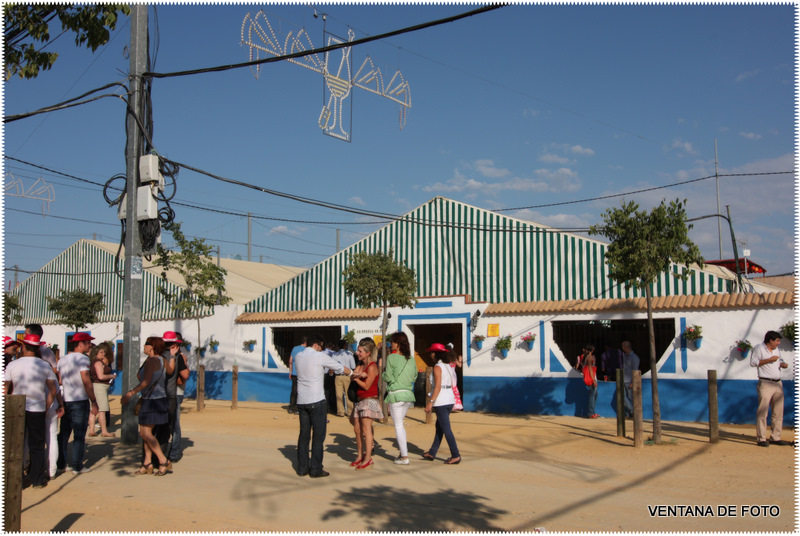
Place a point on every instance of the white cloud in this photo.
(685, 146)
(544, 180)
(357, 201)
(530, 112)
(747, 74)
(583, 151)
(550, 158)
(488, 169)
(750, 135)
(560, 180)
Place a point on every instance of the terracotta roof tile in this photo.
(302, 316)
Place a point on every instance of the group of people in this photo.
(162, 377)
(54, 389)
(310, 367)
(611, 360)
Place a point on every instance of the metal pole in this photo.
(716, 174)
(735, 251)
(249, 234)
(132, 306)
(713, 408)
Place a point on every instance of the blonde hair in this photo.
(370, 347)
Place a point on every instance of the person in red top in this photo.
(368, 407)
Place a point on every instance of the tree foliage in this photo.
(643, 246)
(12, 309)
(77, 308)
(27, 32)
(375, 279)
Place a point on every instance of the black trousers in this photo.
(35, 431)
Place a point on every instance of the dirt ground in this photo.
(519, 473)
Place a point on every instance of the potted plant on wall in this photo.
(529, 339)
(214, 344)
(503, 344)
(250, 344)
(787, 331)
(694, 334)
(350, 338)
(744, 347)
(187, 345)
(201, 350)
(478, 340)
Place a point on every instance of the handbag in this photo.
(352, 392)
(139, 403)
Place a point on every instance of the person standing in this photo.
(610, 361)
(293, 395)
(342, 381)
(630, 362)
(400, 374)
(441, 402)
(311, 365)
(368, 408)
(100, 372)
(182, 367)
(33, 377)
(56, 409)
(590, 379)
(10, 350)
(79, 402)
(766, 357)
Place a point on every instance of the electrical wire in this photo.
(328, 48)
(69, 103)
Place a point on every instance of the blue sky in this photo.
(524, 106)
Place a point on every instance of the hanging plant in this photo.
(787, 331)
(503, 343)
(743, 345)
(529, 337)
(692, 333)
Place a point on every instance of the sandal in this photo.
(144, 470)
(163, 469)
(366, 465)
(453, 461)
(427, 456)
(356, 463)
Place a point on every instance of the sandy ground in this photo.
(519, 473)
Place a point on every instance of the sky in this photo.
(552, 111)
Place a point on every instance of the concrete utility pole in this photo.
(249, 234)
(716, 174)
(132, 306)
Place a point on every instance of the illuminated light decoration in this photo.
(750, 267)
(260, 37)
(39, 190)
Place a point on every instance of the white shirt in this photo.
(311, 367)
(29, 377)
(446, 397)
(771, 371)
(70, 367)
(345, 358)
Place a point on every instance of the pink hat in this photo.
(80, 336)
(171, 336)
(437, 347)
(8, 341)
(33, 340)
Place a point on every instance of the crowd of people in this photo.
(311, 364)
(67, 397)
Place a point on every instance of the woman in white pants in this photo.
(400, 374)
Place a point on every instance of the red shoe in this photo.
(366, 465)
(356, 463)
(594, 416)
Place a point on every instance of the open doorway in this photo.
(424, 335)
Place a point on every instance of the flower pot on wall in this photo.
(479, 344)
(697, 342)
(504, 352)
(354, 347)
(530, 344)
(745, 353)
(251, 347)
(214, 348)
(202, 352)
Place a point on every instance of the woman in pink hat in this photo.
(441, 402)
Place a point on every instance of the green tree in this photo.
(375, 279)
(643, 246)
(204, 281)
(26, 32)
(77, 308)
(12, 309)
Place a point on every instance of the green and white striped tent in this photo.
(458, 249)
(90, 264)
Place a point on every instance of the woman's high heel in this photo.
(366, 465)
(356, 463)
(164, 468)
(144, 470)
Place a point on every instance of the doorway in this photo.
(424, 335)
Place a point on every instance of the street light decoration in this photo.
(334, 119)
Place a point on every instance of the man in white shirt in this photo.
(311, 365)
(52, 415)
(342, 381)
(29, 375)
(766, 357)
(73, 369)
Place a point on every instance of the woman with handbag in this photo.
(441, 402)
(154, 407)
(400, 374)
(368, 407)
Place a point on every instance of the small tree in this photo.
(77, 308)
(643, 246)
(26, 32)
(204, 280)
(12, 309)
(376, 279)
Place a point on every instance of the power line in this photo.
(60, 217)
(328, 48)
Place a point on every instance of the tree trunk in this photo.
(653, 368)
(382, 384)
(201, 390)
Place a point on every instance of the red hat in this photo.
(437, 347)
(8, 341)
(33, 340)
(80, 336)
(171, 336)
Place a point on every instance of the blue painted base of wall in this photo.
(680, 400)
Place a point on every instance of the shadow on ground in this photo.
(442, 510)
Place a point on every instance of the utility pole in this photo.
(719, 222)
(249, 234)
(132, 306)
